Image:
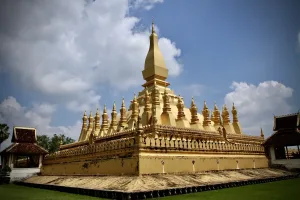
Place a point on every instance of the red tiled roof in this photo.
(25, 148)
(24, 135)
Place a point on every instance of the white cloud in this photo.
(257, 104)
(38, 116)
(66, 49)
(144, 4)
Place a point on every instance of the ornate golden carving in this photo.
(234, 114)
(225, 115)
(166, 99)
(180, 107)
(217, 119)
(122, 121)
(91, 121)
(194, 112)
(205, 113)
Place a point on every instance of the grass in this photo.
(16, 192)
(279, 190)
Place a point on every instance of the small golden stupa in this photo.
(158, 134)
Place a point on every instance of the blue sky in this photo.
(54, 62)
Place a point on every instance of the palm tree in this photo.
(3, 133)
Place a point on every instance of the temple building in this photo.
(286, 134)
(158, 133)
(24, 156)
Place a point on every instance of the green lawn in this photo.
(16, 192)
(279, 190)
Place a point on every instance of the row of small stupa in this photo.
(211, 119)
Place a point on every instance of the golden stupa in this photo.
(157, 134)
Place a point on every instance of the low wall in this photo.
(21, 173)
(116, 166)
(156, 163)
(166, 163)
(288, 163)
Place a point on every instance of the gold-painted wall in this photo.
(115, 166)
(156, 163)
(150, 164)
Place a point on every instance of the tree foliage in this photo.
(52, 144)
(4, 132)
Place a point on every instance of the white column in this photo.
(12, 161)
(272, 153)
(40, 161)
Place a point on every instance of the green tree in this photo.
(43, 140)
(4, 133)
(52, 144)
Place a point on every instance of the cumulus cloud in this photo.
(66, 49)
(257, 104)
(144, 4)
(38, 116)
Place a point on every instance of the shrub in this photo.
(5, 170)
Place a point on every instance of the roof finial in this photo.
(153, 29)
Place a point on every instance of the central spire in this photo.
(155, 70)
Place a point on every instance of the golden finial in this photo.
(216, 107)
(234, 113)
(91, 114)
(205, 106)
(153, 29)
(104, 110)
(193, 102)
(84, 116)
(114, 106)
(194, 112)
(261, 133)
(61, 140)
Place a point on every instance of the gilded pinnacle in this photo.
(114, 106)
(153, 29)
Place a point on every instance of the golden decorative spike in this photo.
(206, 115)
(97, 120)
(123, 114)
(194, 112)
(135, 108)
(234, 113)
(180, 107)
(104, 125)
(155, 70)
(225, 116)
(212, 117)
(261, 133)
(84, 120)
(114, 115)
(91, 121)
(153, 29)
(217, 119)
(61, 140)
